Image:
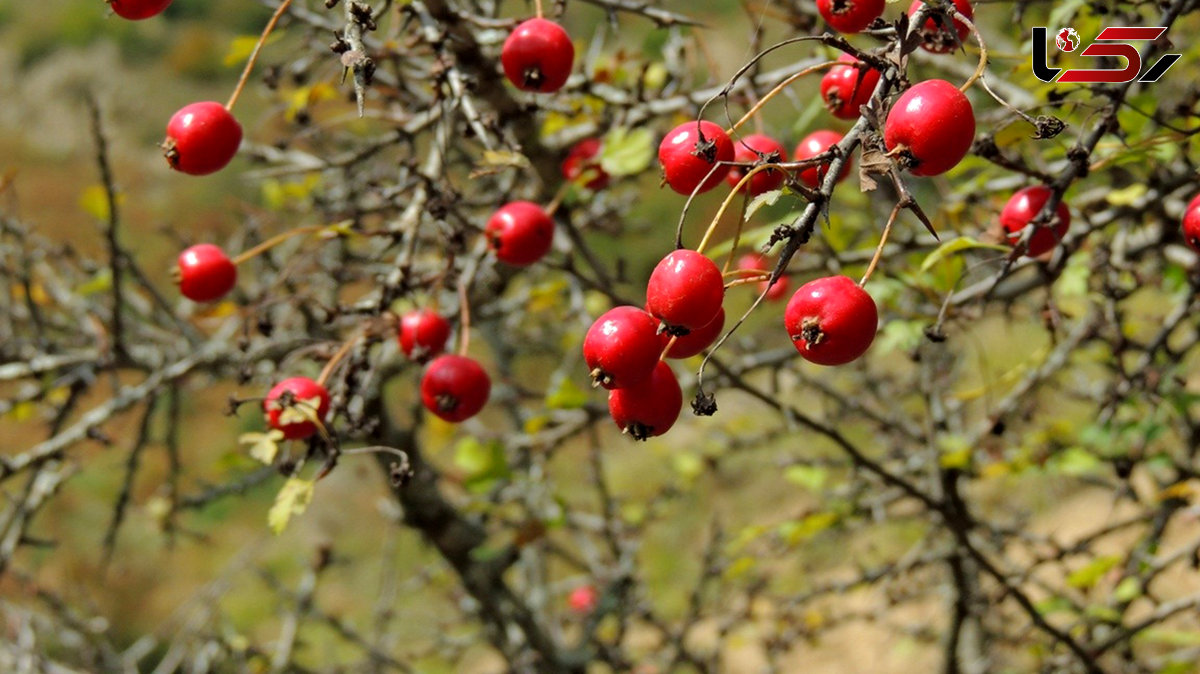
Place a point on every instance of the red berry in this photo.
(205, 273)
(202, 138)
(936, 36)
(582, 599)
(831, 320)
(685, 291)
(696, 341)
(842, 90)
(308, 400)
(934, 121)
(423, 334)
(814, 144)
(455, 387)
(622, 347)
(1022, 208)
(138, 9)
(689, 153)
(649, 408)
(584, 157)
(1191, 224)
(537, 56)
(520, 233)
(850, 16)
(759, 262)
(758, 148)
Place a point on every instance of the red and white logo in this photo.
(1067, 39)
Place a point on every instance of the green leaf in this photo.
(764, 199)
(291, 500)
(1054, 605)
(956, 452)
(900, 335)
(1074, 461)
(626, 152)
(1127, 196)
(956, 246)
(482, 462)
(565, 394)
(689, 465)
(811, 478)
(1128, 590)
(798, 531)
(1091, 573)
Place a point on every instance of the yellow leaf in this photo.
(338, 229)
(94, 201)
(299, 411)
(291, 500)
(159, 509)
(263, 446)
(1183, 491)
(241, 47)
(23, 411)
(505, 158)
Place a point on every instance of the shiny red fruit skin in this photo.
(582, 599)
(812, 145)
(685, 290)
(1022, 207)
(423, 334)
(935, 121)
(520, 233)
(537, 56)
(648, 409)
(202, 138)
(622, 347)
(1191, 224)
(842, 91)
(302, 388)
(759, 262)
(683, 169)
(455, 387)
(850, 16)
(584, 157)
(205, 273)
(831, 320)
(937, 38)
(695, 342)
(749, 149)
(135, 10)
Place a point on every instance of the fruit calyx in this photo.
(810, 332)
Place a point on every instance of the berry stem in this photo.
(762, 276)
(275, 241)
(887, 229)
(712, 226)
(776, 91)
(558, 199)
(464, 305)
(537, 4)
(667, 348)
(237, 91)
(983, 52)
(344, 349)
(737, 235)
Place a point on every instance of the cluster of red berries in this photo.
(203, 137)
(853, 16)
